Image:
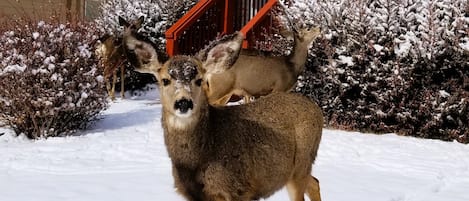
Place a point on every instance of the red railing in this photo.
(259, 26)
(211, 18)
(195, 28)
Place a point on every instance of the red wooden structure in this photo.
(209, 19)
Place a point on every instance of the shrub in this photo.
(159, 16)
(391, 66)
(50, 84)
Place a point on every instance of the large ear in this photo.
(141, 54)
(138, 22)
(288, 34)
(123, 22)
(221, 54)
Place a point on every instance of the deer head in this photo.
(219, 55)
(139, 50)
(182, 78)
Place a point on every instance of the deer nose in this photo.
(183, 105)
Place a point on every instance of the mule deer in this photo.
(133, 49)
(240, 153)
(254, 75)
(111, 54)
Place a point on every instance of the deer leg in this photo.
(296, 189)
(247, 98)
(230, 197)
(218, 197)
(122, 81)
(186, 185)
(113, 86)
(312, 189)
(108, 86)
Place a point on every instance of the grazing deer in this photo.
(111, 54)
(254, 75)
(240, 153)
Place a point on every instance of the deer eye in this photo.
(198, 82)
(166, 82)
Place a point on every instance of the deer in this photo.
(231, 153)
(253, 75)
(112, 56)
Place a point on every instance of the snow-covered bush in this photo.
(159, 16)
(390, 65)
(50, 83)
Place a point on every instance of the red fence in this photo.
(259, 25)
(211, 18)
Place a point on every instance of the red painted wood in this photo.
(256, 20)
(182, 24)
(209, 19)
(228, 16)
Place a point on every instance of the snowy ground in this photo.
(122, 158)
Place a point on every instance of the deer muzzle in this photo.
(183, 105)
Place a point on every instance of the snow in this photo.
(84, 51)
(378, 48)
(41, 23)
(13, 68)
(36, 35)
(100, 78)
(465, 45)
(10, 33)
(84, 95)
(346, 60)
(54, 77)
(123, 157)
(444, 94)
(49, 60)
(403, 46)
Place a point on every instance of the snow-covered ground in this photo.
(123, 158)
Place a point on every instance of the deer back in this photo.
(111, 53)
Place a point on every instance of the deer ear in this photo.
(314, 33)
(142, 55)
(138, 23)
(288, 34)
(221, 54)
(123, 22)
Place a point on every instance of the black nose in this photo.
(183, 105)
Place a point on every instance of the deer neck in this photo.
(298, 56)
(186, 144)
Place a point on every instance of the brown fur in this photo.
(254, 75)
(250, 157)
(238, 153)
(112, 56)
(139, 50)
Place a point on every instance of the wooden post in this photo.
(171, 47)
